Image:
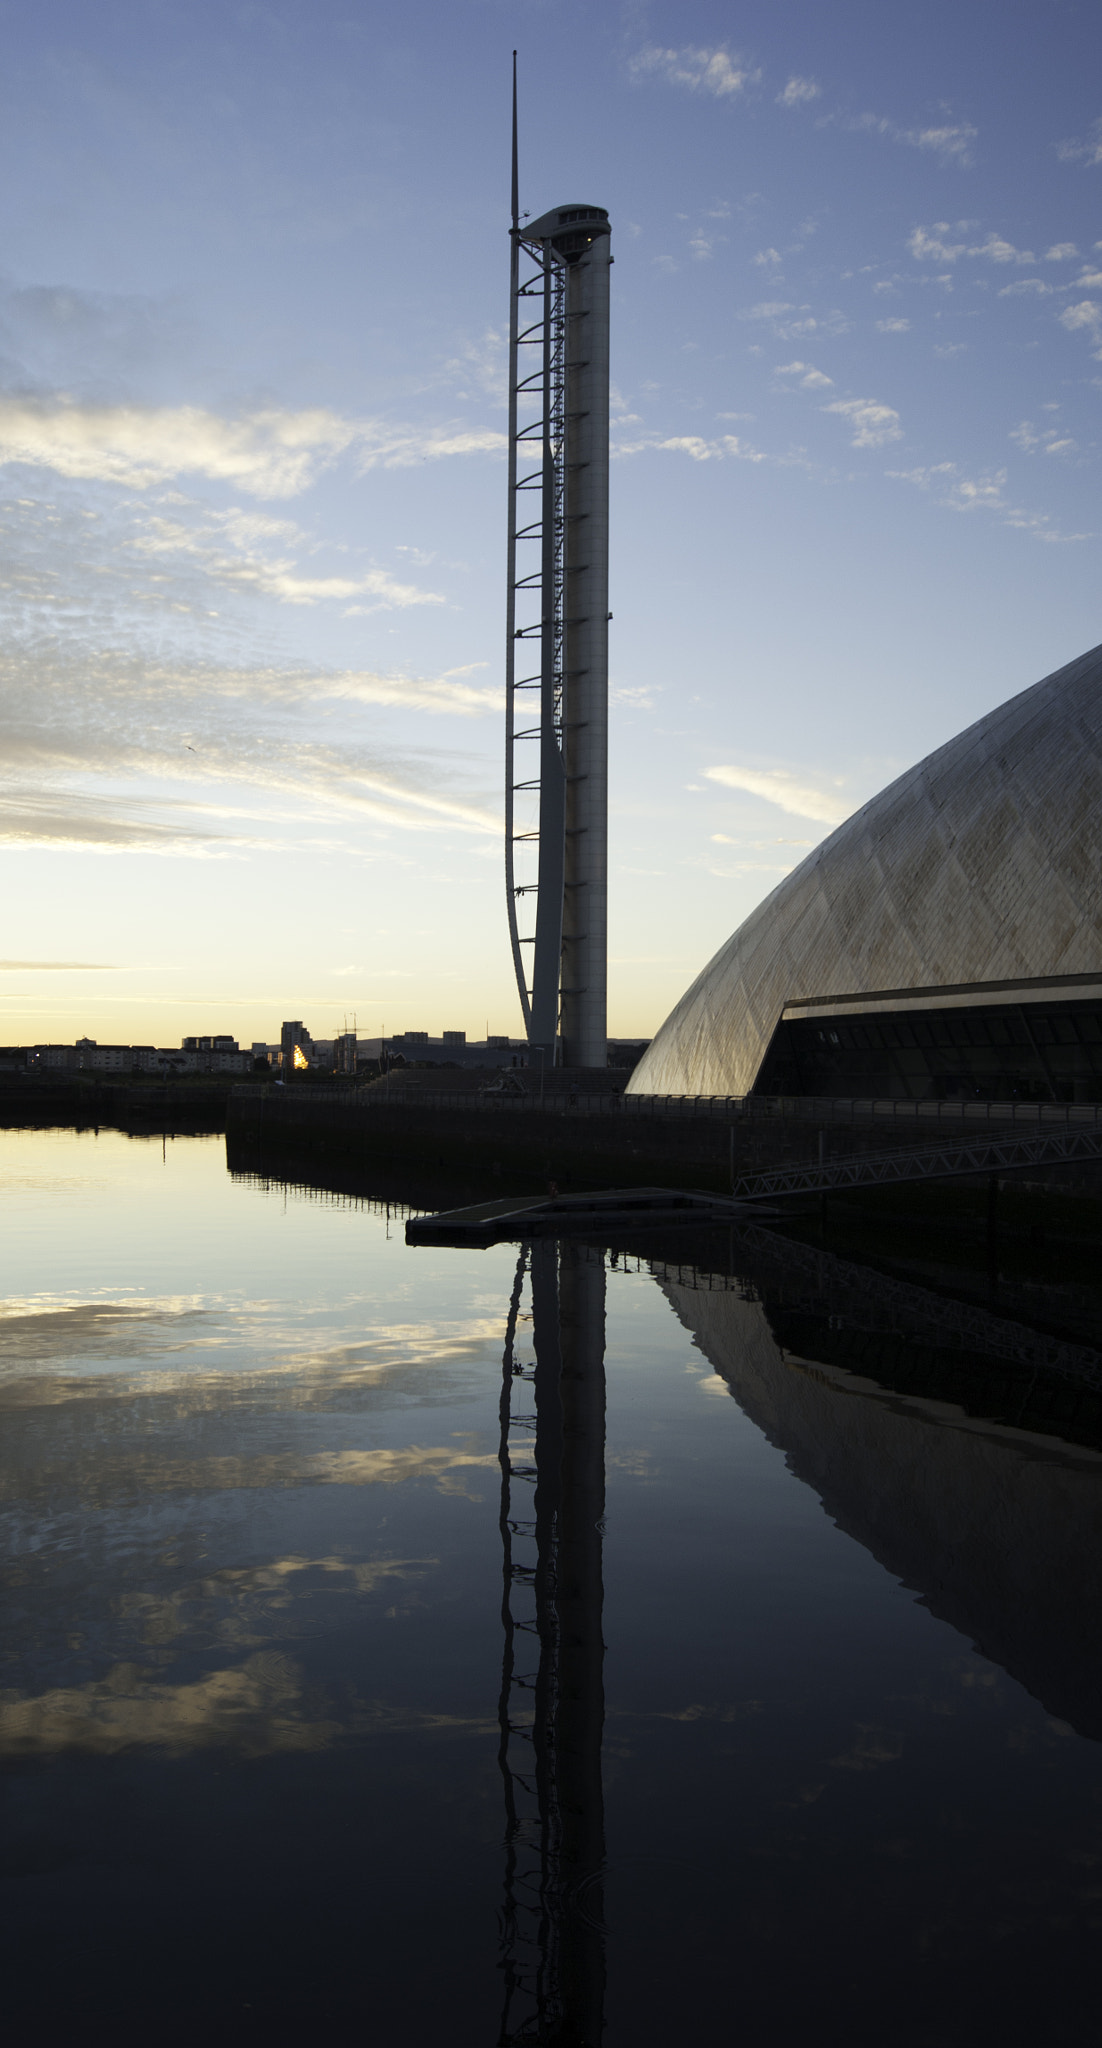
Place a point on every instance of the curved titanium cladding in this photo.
(980, 865)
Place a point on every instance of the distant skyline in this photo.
(253, 304)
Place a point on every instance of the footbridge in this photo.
(976, 1154)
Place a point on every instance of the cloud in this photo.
(776, 310)
(930, 245)
(57, 966)
(872, 423)
(82, 556)
(925, 243)
(984, 493)
(798, 92)
(1060, 252)
(951, 143)
(767, 258)
(1046, 440)
(718, 71)
(798, 330)
(483, 363)
(1022, 285)
(964, 494)
(778, 787)
(635, 696)
(64, 820)
(810, 378)
(893, 326)
(1085, 314)
(695, 446)
(998, 250)
(291, 748)
(269, 454)
(247, 565)
(1087, 151)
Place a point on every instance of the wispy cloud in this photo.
(798, 92)
(898, 326)
(60, 820)
(481, 364)
(248, 563)
(873, 424)
(58, 967)
(930, 245)
(807, 323)
(80, 725)
(1042, 440)
(720, 72)
(269, 454)
(86, 555)
(697, 446)
(810, 379)
(983, 493)
(1085, 150)
(951, 142)
(778, 787)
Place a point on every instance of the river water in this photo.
(752, 1693)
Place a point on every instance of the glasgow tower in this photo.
(556, 798)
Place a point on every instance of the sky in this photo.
(253, 314)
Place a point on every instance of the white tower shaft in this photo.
(557, 617)
(585, 661)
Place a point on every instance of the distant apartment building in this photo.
(217, 1055)
(53, 1056)
(114, 1059)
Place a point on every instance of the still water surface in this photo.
(763, 1704)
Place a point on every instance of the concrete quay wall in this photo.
(87, 1099)
(487, 1140)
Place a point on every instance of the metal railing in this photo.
(817, 1109)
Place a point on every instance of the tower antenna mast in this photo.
(516, 175)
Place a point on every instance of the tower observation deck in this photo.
(556, 799)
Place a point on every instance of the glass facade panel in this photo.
(1002, 1052)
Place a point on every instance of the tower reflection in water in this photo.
(551, 1707)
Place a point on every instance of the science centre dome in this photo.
(945, 941)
